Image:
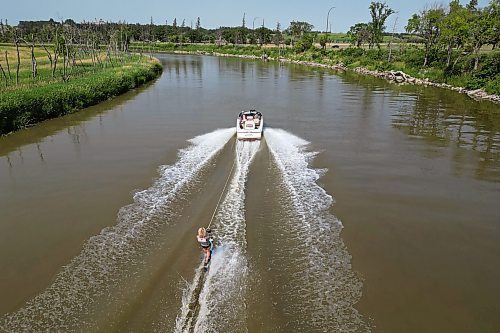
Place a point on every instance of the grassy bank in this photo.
(36, 99)
(406, 58)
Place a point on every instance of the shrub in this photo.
(413, 57)
(304, 43)
(493, 86)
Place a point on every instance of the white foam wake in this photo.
(112, 256)
(326, 288)
(220, 305)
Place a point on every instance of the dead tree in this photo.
(8, 66)
(33, 58)
(34, 65)
(5, 76)
(16, 41)
(49, 56)
(56, 56)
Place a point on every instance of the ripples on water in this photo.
(114, 255)
(325, 287)
(221, 300)
(321, 286)
(428, 118)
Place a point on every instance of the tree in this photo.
(360, 33)
(264, 35)
(481, 28)
(243, 22)
(241, 35)
(298, 29)
(379, 12)
(427, 25)
(278, 37)
(194, 36)
(304, 43)
(454, 28)
(322, 40)
(198, 24)
(494, 12)
(472, 5)
(227, 35)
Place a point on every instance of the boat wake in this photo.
(320, 291)
(115, 254)
(325, 287)
(210, 302)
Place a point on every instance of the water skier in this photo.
(206, 243)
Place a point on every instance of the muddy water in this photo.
(367, 207)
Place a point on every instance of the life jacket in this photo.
(204, 241)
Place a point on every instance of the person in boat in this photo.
(205, 242)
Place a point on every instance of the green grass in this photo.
(83, 67)
(36, 100)
(408, 59)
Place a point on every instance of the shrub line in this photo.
(394, 76)
(27, 106)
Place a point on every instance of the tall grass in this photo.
(28, 104)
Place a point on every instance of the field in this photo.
(83, 66)
(82, 83)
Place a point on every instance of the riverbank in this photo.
(400, 77)
(483, 85)
(415, 181)
(28, 104)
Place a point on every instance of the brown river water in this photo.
(367, 207)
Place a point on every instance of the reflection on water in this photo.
(74, 124)
(455, 121)
(414, 172)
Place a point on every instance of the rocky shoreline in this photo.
(397, 77)
(402, 78)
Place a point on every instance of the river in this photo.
(366, 207)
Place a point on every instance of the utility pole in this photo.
(327, 17)
(253, 28)
(253, 22)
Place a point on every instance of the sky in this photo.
(217, 13)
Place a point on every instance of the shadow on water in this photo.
(442, 118)
(74, 124)
(396, 156)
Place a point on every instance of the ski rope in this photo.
(223, 190)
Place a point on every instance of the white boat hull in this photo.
(246, 135)
(249, 132)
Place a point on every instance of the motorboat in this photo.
(249, 125)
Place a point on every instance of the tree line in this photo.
(68, 47)
(452, 28)
(169, 32)
(457, 31)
